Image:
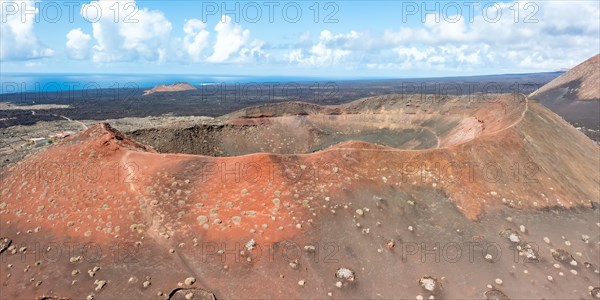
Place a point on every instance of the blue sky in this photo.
(345, 38)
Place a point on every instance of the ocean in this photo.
(36, 83)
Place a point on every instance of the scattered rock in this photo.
(430, 284)
(564, 257)
(310, 248)
(250, 244)
(390, 244)
(590, 266)
(250, 213)
(585, 238)
(513, 236)
(99, 284)
(191, 293)
(4, 244)
(345, 274)
(137, 227)
(202, 219)
(190, 280)
(75, 259)
(92, 272)
(525, 249)
(495, 294)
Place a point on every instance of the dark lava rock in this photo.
(591, 267)
(4, 244)
(595, 293)
(495, 294)
(562, 256)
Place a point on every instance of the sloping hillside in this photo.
(575, 96)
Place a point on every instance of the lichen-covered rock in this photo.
(430, 284)
(345, 273)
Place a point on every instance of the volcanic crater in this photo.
(400, 122)
(367, 178)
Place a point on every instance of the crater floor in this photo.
(400, 122)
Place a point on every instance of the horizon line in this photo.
(344, 77)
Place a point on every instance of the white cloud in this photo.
(546, 35)
(432, 31)
(77, 46)
(230, 38)
(18, 40)
(331, 49)
(253, 52)
(196, 39)
(560, 37)
(145, 35)
(412, 53)
(447, 57)
(138, 33)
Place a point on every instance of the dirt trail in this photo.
(515, 123)
(70, 120)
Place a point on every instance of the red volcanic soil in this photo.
(100, 214)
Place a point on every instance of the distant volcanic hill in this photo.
(581, 83)
(364, 200)
(575, 95)
(175, 87)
